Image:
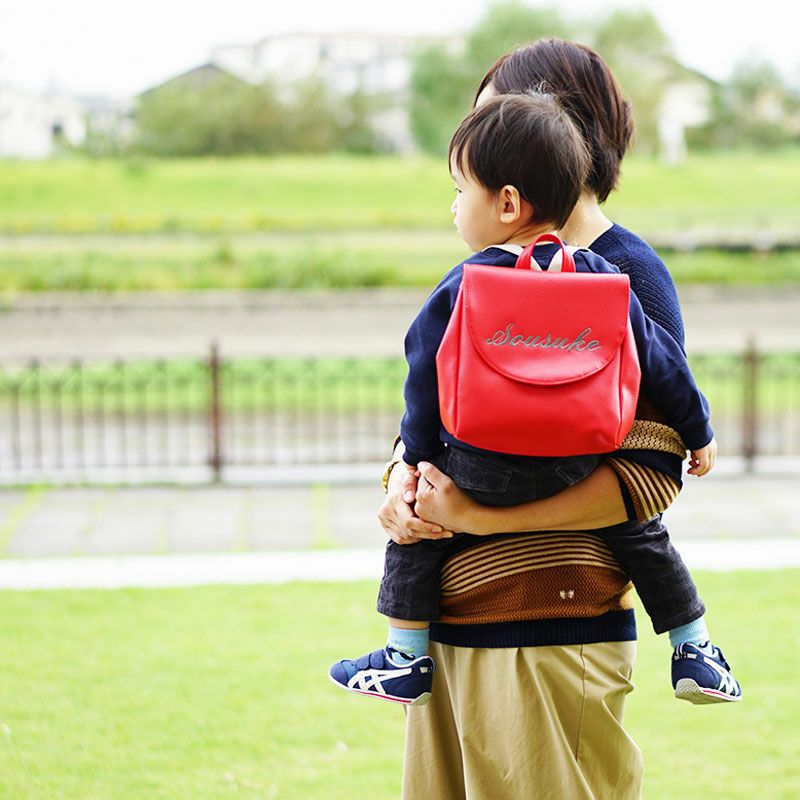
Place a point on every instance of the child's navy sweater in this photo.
(666, 377)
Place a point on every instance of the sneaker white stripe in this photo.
(370, 680)
(727, 682)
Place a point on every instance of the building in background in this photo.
(378, 68)
(375, 65)
(196, 78)
(110, 125)
(686, 102)
(35, 126)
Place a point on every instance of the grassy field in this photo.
(717, 191)
(338, 221)
(340, 385)
(221, 692)
(303, 261)
(210, 195)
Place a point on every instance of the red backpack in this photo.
(539, 363)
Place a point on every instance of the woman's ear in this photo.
(511, 207)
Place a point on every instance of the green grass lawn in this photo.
(304, 261)
(724, 190)
(338, 221)
(221, 692)
(329, 385)
(211, 195)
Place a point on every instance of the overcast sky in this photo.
(99, 46)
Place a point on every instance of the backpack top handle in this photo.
(526, 256)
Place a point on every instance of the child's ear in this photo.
(511, 206)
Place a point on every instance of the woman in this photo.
(535, 643)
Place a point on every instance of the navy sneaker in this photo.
(376, 675)
(702, 678)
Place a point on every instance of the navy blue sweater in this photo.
(666, 377)
(653, 285)
(650, 278)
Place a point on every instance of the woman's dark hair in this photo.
(588, 91)
(527, 141)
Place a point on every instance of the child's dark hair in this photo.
(529, 142)
(585, 87)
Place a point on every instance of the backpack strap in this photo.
(527, 261)
(555, 261)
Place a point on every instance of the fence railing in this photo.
(217, 413)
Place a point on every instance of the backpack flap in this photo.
(545, 328)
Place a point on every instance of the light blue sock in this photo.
(411, 642)
(694, 632)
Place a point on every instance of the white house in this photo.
(685, 103)
(379, 65)
(109, 116)
(347, 62)
(32, 126)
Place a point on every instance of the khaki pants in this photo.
(543, 723)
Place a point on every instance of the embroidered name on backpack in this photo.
(504, 338)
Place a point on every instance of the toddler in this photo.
(518, 163)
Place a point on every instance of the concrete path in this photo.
(108, 537)
(204, 569)
(363, 322)
(116, 521)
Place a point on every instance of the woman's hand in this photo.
(594, 502)
(397, 516)
(440, 500)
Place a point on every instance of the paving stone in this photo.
(205, 520)
(281, 519)
(724, 507)
(9, 501)
(54, 528)
(354, 516)
(96, 521)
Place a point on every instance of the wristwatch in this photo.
(387, 471)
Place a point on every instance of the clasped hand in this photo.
(420, 504)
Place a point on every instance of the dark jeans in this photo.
(410, 586)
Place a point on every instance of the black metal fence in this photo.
(217, 414)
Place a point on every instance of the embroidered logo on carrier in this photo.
(503, 338)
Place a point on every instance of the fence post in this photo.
(215, 413)
(750, 404)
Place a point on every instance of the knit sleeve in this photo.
(650, 491)
(668, 381)
(666, 377)
(421, 422)
(659, 299)
(650, 280)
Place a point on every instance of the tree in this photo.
(508, 25)
(223, 116)
(318, 121)
(440, 97)
(641, 57)
(210, 112)
(443, 82)
(754, 109)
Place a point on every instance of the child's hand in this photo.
(702, 460)
(410, 487)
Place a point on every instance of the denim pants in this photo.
(410, 585)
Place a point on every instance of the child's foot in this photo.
(378, 675)
(702, 675)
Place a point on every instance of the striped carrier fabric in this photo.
(533, 576)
